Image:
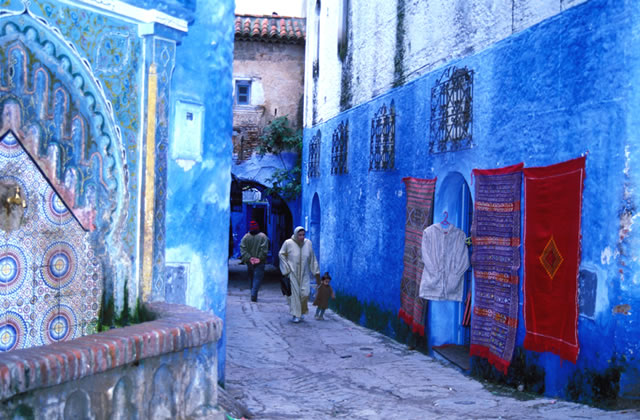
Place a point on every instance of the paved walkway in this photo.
(336, 369)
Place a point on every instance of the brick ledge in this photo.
(176, 327)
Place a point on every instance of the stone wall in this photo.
(162, 369)
(276, 72)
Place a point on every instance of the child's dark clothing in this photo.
(322, 298)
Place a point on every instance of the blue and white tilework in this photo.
(50, 279)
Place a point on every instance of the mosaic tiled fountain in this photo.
(63, 211)
(50, 282)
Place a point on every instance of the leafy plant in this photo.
(108, 318)
(278, 137)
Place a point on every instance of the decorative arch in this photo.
(454, 196)
(446, 325)
(273, 214)
(57, 109)
(77, 405)
(162, 404)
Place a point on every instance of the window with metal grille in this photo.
(451, 111)
(383, 139)
(243, 92)
(339, 146)
(314, 156)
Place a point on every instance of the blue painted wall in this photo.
(553, 92)
(197, 222)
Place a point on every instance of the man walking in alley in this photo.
(253, 248)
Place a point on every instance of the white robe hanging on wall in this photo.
(445, 258)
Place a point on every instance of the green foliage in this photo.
(123, 319)
(108, 318)
(106, 313)
(286, 183)
(279, 136)
(141, 314)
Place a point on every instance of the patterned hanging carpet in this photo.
(496, 259)
(553, 209)
(419, 216)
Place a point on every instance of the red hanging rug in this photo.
(418, 217)
(553, 210)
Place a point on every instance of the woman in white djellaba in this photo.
(298, 261)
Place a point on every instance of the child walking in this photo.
(325, 292)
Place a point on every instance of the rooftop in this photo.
(274, 28)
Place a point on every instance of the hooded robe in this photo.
(298, 261)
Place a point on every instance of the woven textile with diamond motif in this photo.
(496, 259)
(553, 208)
(419, 216)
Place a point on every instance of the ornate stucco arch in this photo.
(51, 100)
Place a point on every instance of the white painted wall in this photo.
(374, 46)
(330, 69)
(436, 32)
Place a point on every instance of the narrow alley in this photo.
(336, 369)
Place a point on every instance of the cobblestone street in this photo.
(336, 369)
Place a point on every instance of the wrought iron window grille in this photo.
(314, 156)
(383, 139)
(339, 146)
(451, 127)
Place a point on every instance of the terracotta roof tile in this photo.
(270, 29)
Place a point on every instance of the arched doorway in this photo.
(449, 332)
(314, 225)
(250, 201)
